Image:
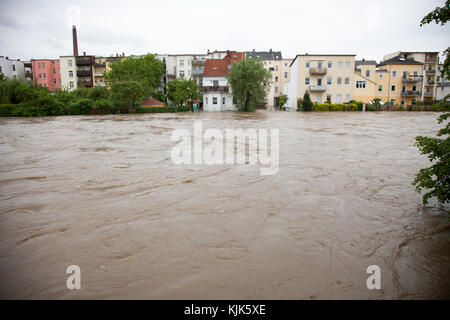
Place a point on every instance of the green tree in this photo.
(182, 91)
(98, 93)
(249, 82)
(159, 95)
(435, 178)
(282, 100)
(147, 70)
(127, 93)
(306, 102)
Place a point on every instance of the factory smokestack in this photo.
(75, 41)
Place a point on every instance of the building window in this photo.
(285, 75)
(276, 89)
(181, 63)
(307, 65)
(214, 100)
(329, 80)
(276, 79)
(69, 63)
(347, 81)
(339, 81)
(70, 74)
(339, 98)
(340, 64)
(54, 71)
(71, 84)
(367, 73)
(44, 75)
(381, 76)
(223, 100)
(393, 88)
(329, 98)
(360, 84)
(285, 64)
(403, 102)
(1, 71)
(319, 64)
(347, 64)
(43, 65)
(393, 102)
(40, 76)
(54, 81)
(394, 74)
(348, 97)
(215, 83)
(306, 81)
(330, 64)
(380, 88)
(39, 65)
(206, 100)
(276, 68)
(14, 67)
(182, 73)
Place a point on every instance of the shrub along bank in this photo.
(20, 99)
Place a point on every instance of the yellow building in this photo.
(365, 84)
(399, 81)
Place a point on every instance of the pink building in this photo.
(47, 73)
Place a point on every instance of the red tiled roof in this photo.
(152, 102)
(219, 67)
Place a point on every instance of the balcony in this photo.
(431, 60)
(100, 84)
(428, 94)
(215, 88)
(411, 93)
(86, 84)
(430, 83)
(99, 74)
(198, 62)
(317, 88)
(317, 71)
(411, 79)
(197, 72)
(28, 74)
(83, 73)
(83, 61)
(431, 71)
(100, 64)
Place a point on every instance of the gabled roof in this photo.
(219, 67)
(152, 102)
(265, 55)
(399, 60)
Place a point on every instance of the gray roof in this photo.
(365, 62)
(265, 55)
(398, 60)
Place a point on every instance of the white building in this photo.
(12, 69)
(217, 95)
(325, 76)
(69, 79)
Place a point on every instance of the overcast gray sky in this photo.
(370, 29)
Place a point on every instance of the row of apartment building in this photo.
(401, 78)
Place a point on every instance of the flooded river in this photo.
(102, 192)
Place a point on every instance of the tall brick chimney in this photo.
(75, 41)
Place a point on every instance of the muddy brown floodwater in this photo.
(101, 192)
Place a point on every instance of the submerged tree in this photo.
(249, 82)
(306, 102)
(147, 70)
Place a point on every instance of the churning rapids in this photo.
(101, 192)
